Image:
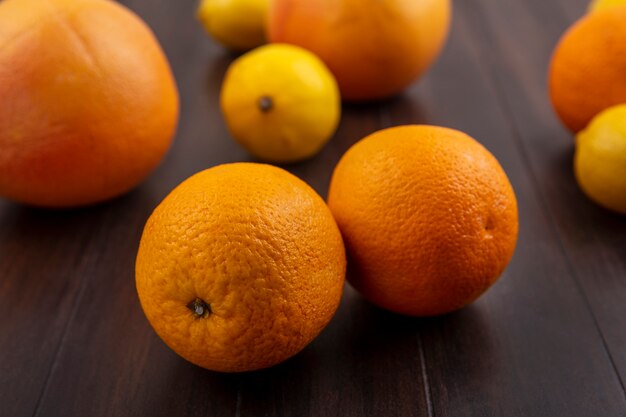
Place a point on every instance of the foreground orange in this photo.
(587, 74)
(89, 104)
(375, 48)
(428, 217)
(240, 267)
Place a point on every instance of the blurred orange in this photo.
(89, 104)
(375, 48)
(588, 69)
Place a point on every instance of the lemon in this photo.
(236, 24)
(280, 102)
(603, 4)
(600, 160)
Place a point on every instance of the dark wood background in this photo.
(549, 339)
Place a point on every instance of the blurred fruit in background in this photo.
(375, 48)
(281, 103)
(236, 24)
(600, 161)
(428, 217)
(89, 104)
(240, 267)
(602, 4)
(588, 69)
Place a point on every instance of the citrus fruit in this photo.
(428, 217)
(236, 24)
(280, 102)
(602, 4)
(375, 48)
(240, 267)
(89, 104)
(588, 67)
(600, 160)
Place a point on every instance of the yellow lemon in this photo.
(281, 103)
(236, 24)
(600, 161)
(603, 4)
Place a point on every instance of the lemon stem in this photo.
(199, 308)
(265, 104)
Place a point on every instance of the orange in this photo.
(89, 104)
(240, 267)
(375, 48)
(428, 217)
(588, 67)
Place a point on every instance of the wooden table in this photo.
(549, 339)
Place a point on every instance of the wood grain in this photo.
(548, 340)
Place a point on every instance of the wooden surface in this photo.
(549, 339)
